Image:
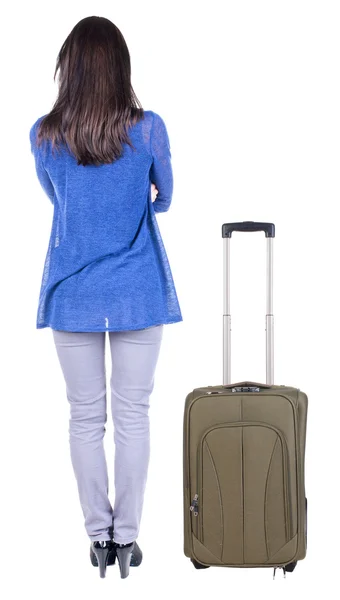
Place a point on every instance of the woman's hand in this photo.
(154, 192)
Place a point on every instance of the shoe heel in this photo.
(102, 555)
(124, 559)
(111, 558)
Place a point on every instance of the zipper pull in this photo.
(194, 505)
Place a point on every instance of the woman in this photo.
(105, 165)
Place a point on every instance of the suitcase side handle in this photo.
(247, 226)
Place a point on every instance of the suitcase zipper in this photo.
(194, 505)
(194, 511)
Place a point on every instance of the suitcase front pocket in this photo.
(244, 514)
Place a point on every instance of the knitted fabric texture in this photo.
(106, 267)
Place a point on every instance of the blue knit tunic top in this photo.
(106, 268)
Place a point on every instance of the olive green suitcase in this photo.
(243, 458)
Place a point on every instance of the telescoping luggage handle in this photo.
(227, 230)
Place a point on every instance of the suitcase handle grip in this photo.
(246, 226)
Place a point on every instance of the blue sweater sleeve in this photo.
(161, 170)
(42, 174)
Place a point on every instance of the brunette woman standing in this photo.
(105, 164)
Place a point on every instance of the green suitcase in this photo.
(243, 458)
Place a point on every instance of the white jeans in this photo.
(134, 356)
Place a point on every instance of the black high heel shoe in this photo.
(128, 555)
(136, 556)
(102, 554)
(111, 558)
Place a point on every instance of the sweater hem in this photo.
(59, 327)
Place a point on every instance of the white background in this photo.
(250, 94)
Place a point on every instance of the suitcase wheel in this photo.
(198, 565)
(291, 566)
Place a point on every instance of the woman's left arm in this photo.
(42, 174)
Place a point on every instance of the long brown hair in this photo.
(96, 102)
